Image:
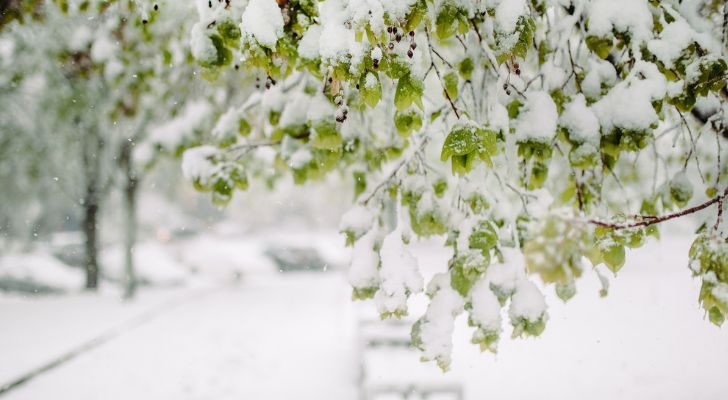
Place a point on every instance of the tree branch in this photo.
(652, 220)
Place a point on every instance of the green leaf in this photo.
(525, 29)
(613, 256)
(451, 81)
(466, 67)
(239, 178)
(483, 237)
(417, 12)
(370, 89)
(408, 121)
(514, 108)
(599, 45)
(224, 55)
(465, 144)
(716, 316)
(360, 183)
(244, 127)
(681, 190)
(566, 291)
(327, 137)
(229, 31)
(449, 20)
(440, 186)
(409, 90)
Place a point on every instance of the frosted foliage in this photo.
(175, 132)
(227, 123)
(503, 278)
(600, 74)
(629, 104)
(437, 325)
(486, 310)
(308, 48)
(358, 220)
(201, 45)
(528, 306)
(632, 16)
(673, 40)
(363, 272)
(534, 140)
(196, 164)
(537, 122)
(507, 14)
(296, 110)
(580, 121)
(399, 276)
(335, 40)
(262, 22)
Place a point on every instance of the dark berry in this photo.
(505, 86)
(398, 37)
(518, 71)
(412, 33)
(391, 46)
(156, 7)
(389, 29)
(410, 53)
(413, 46)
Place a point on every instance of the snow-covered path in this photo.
(257, 341)
(292, 336)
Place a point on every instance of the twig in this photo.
(651, 220)
(437, 71)
(692, 146)
(720, 215)
(394, 172)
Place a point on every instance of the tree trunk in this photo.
(90, 223)
(93, 145)
(130, 214)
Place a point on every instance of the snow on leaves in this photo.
(592, 120)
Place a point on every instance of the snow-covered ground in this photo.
(294, 336)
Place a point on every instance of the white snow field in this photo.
(295, 336)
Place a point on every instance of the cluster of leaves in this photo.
(525, 99)
(709, 261)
